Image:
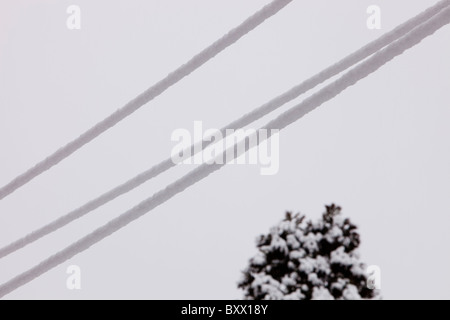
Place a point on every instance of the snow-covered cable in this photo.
(330, 91)
(148, 95)
(248, 118)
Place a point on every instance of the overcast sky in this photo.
(380, 150)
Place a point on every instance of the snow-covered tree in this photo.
(302, 260)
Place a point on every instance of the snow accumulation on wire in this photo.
(145, 97)
(248, 118)
(350, 78)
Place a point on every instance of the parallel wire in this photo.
(145, 97)
(248, 118)
(329, 92)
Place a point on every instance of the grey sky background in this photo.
(380, 150)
